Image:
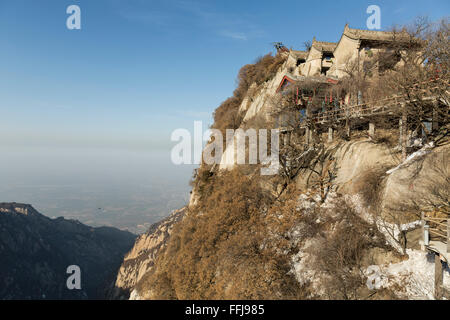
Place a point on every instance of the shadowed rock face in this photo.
(35, 252)
(140, 260)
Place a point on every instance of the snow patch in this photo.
(134, 295)
(390, 231)
(302, 267)
(409, 279)
(420, 153)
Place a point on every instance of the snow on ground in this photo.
(425, 150)
(390, 231)
(303, 267)
(409, 279)
(134, 295)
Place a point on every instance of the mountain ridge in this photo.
(36, 251)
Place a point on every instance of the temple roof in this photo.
(289, 77)
(359, 34)
(324, 46)
(299, 54)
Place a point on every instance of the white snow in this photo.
(409, 279)
(425, 150)
(134, 295)
(303, 267)
(390, 231)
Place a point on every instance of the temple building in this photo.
(294, 60)
(319, 59)
(358, 47)
(356, 51)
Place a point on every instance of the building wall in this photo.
(346, 50)
(291, 64)
(313, 64)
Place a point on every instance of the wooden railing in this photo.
(359, 110)
(436, 229)
(390, 106)
(375, 107)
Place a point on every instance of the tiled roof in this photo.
(292, 77)
(359, 34)
(324, 46)
(299, 54)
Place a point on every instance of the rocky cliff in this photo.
(353, 205)
(140, 260)
(393, 245)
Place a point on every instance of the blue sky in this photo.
(139, 69)
(136, 71)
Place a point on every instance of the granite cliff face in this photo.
(140, 260)
(35, 252)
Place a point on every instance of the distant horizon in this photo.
(127, 190)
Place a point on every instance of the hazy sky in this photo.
(136, 71)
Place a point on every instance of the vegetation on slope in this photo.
(217, 252)
(226, 115)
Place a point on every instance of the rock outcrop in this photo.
(142, 256)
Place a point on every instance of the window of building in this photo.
(324, 70)
(327, 56)
(300, 61)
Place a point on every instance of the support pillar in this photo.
(438, 278)
(404, 134)
(409, 138)
(435, 120)
(426, 235)
(422, 225)
(448, 235)
(347, 127)
(287, 138)
(330, 135)
(308, 124)
(371, 130)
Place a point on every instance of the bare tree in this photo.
(307, 45)
(420, 79)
